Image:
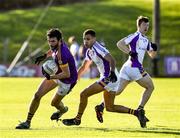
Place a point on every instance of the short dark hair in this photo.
(141, 19)
(90, 31)
(54, 32)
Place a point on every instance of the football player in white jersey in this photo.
(108, 74)
(135, 45)
(108, 81)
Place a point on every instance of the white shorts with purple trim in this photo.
(108, 85)
(63, 88)
(131, 73)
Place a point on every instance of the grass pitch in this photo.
(163, 110)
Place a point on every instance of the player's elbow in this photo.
(120, 44)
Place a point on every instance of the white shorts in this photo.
(131, 73)
(109, 86)
(63, 88)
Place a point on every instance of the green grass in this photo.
(163, 110)
(112, 19)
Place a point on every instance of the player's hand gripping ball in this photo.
(49, 67)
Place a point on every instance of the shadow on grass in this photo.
(158, 130)
(152, 130)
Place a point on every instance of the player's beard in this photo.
(86, 45)
(53, 48)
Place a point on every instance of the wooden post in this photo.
(156, 34)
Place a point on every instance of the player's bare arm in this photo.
(84, 67)
(64, 74)
(48, 53)
(122, 46)
(111, 60)
(152, 53)
(112, 75)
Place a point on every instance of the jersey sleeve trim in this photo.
(63, 65)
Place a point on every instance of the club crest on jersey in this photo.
(91, 53)
(144, 40)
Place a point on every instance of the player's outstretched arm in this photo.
(111, 60)
(83, 68)
(41, 58)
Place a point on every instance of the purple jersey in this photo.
(66, 59)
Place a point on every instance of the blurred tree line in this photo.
(23, 4)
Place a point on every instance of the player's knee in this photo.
(83, 94)
(150, 87)
(37, 96)
(110, 108)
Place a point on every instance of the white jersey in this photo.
(97, 53)
(139, 44)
